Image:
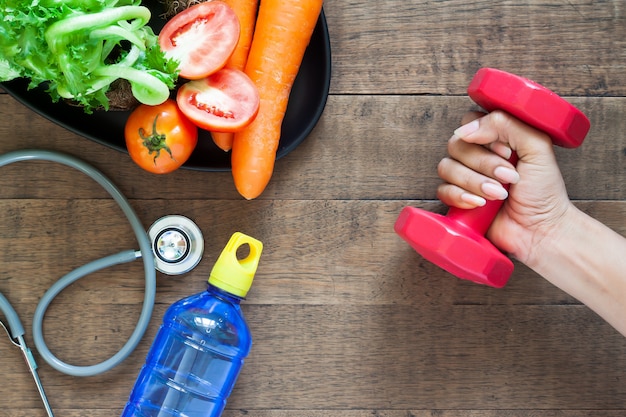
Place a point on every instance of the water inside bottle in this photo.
(188, 373)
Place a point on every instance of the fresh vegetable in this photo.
(78, 48)
(282, 34)
(246, 11)
(226, 101)
(201, 38)
(160, 138)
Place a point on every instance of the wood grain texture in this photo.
(435, 47)
(360, 413)
(347, 320)
(364, 147)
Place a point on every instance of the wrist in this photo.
(556, 240)
(585, 258)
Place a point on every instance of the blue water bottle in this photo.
(199, 349)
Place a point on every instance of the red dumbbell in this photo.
(456, 241)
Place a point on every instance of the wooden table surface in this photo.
(347, 319)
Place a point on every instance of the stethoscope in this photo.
(173, 245)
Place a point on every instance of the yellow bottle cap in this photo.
(232, 274)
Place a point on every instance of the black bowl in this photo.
(306, 104)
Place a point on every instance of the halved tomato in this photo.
(201, 38)
(226, 101)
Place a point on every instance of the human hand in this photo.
(537, 202)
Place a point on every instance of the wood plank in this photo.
(365, 147)
(368, 357)
(399, 47)
(352, 413)
(317, 252)
(575, 48)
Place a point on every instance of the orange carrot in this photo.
(283, 31)
(246, 11)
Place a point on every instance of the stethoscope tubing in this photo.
(15, 324)
(52, 292)
(145, 252)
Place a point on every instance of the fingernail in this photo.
(496, 191)
(467, 129)
(506, 175)
(501, 149)
(473, 199)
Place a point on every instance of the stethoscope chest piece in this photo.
(177, 243)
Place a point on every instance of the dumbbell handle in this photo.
(479, 219)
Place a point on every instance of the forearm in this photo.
(587, 260)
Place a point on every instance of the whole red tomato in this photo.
(160, 138)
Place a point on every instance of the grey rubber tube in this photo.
(15, 325)
(145, 249)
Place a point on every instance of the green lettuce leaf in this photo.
(77, 48)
